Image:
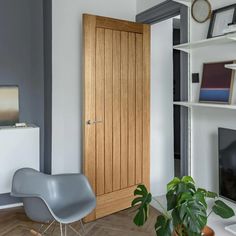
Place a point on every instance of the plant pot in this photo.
(207, 231)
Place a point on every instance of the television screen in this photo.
(227, 163)
(9, 105)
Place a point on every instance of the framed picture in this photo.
(220, 20)
(217, 83)
(9, 105)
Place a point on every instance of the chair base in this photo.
(63, 232)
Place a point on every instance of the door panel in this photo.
(131, 110)
(124, 109)
(108, 108)
(116, 108)
(139, 107)
(100, 108)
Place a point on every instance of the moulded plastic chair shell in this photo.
(66, 198)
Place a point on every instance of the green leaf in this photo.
(144, 199)
(162, 226)
(193, 215)
(211, 195)
(185, 196)
(171, 200)
(200, 197)
(188, 179)
(172, 185)
(182, 188)
(207, 193)
(222, 210)
(176, 218)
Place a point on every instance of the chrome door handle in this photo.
(90, 122)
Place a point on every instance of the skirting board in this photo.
(11, 206)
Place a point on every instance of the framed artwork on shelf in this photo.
(9, 105)
(217, 83)
(220, 20)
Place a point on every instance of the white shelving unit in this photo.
(187, 47)
(231, 66)
(205, 105)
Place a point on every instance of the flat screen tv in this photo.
(227, 164)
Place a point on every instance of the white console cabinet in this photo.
(19, 147)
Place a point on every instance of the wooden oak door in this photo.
(116, 110)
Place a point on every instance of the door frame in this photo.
(158, 13)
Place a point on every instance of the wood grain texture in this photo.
(108, 111)
(139, 108)
(131, 110)
(146, 105)
(89, 23)
(124, 109)
(121, 25)
(14, 222)
(116, 111)
(117, 92)
(122, 199)
(100, 110)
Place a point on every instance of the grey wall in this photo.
(22, 60)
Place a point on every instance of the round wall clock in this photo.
(201, 10)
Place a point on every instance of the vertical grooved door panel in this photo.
(124, 109)
(116, 110)
(108, 111)
(117, 104)
(100, 88)
(131, 110)
(139, 107)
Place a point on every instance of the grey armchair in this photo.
(65, 198)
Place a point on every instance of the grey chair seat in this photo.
(66, 198)
(79, 210)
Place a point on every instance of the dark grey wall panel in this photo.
(47, 21)
(160, 12)
(22, 62)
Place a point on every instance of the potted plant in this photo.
(186, 212)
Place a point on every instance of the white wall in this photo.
(143, 5)
(162, 153)
(67, 79)
(205, 121)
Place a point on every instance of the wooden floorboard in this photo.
(14, 222)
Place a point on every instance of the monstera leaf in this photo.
(207, 194)
(221, 209)
(143, 199)
(193, 215)
(178, 186)
(162, 226)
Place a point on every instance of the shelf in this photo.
(185, 2)
(231, 66)
(187, 47)
(207, 105)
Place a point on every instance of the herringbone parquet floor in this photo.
(15, 223)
